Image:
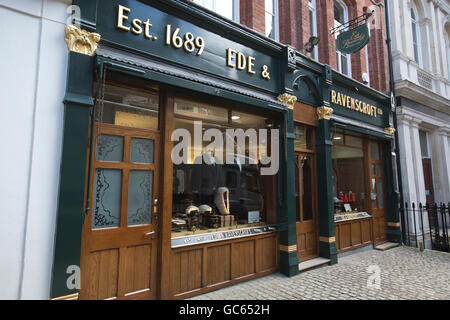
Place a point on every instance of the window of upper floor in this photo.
(271, 19)
(340, 18)
(415, 28)
(447, 49)
(313, 26)
(227, 8)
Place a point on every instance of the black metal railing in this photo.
(427, 225)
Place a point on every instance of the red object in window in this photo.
(347, 197)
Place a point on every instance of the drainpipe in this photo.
(392, 88)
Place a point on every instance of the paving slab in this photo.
(401, 273)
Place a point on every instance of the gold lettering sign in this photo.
(177, 39)
(357, 105)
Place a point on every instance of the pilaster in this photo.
(70, 213)
(287, 216)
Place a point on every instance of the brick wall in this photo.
(294, 27)
(252, 14)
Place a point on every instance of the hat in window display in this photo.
(205, 209)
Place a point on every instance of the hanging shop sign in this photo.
(353, 40)
(148, 30)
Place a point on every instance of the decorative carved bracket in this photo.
(288, 99)
(389, 130)
(324, 113)
(81, 41)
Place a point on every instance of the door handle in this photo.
(150, 234)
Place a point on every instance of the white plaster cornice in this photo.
(407, 115)
(422, 95)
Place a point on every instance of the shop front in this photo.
(174, 176)
(345, 180)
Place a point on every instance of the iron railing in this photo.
(426, 225)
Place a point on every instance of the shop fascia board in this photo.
(340, 79)
(202, 17)
(422, 95)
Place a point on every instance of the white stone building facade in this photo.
(420, 31)
(33, 72)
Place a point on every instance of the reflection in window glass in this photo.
(128, 107)
(303, 137)
(225, 8)
(354, 141)
(380, 193)
(374, 193)
(307, 188)
(200, 110)
(374, 151)
(248, 120)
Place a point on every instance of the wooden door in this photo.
(376, 191)
(307, 233)
(428, 177)
(120, 235)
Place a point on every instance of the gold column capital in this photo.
(81, 41)
(288, 99)
(324, 113)
(389, 130)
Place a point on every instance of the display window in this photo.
(217, 188)
(349, 180)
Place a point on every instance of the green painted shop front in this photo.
(168, 57)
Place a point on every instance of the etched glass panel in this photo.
(140, 192)
(109, 148)
(107, 198)
(142, 150)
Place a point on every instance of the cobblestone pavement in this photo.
(405, 274)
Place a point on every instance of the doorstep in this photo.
(386, 246)
(313, 263)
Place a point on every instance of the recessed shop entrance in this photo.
(305, 186)
(307, 242)
(120, 233)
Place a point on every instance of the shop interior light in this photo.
(235, 117)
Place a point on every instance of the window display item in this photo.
(212, 221)
(227, 220)
(192, 219)
(178, 225)
(253, 217)
(205, 209)
(221, 195)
